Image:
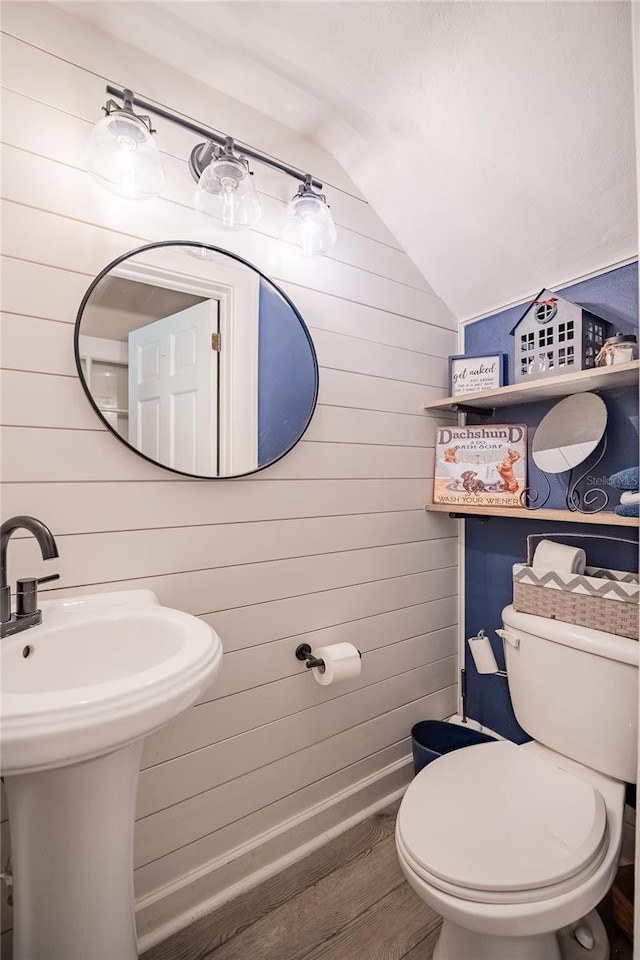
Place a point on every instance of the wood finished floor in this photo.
(347, 901)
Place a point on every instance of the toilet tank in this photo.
(575, 690)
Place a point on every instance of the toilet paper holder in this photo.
(304, 652)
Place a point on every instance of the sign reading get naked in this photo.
(476, 374)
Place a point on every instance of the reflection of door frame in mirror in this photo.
(238, 294)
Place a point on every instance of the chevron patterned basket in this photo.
(601, 599)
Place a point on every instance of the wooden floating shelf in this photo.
(619, 375)
(605, 518)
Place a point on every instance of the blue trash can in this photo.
(431, 738)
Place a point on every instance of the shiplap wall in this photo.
(330, 544)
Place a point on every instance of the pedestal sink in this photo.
(79, 694)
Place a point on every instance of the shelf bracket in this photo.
(469, 516)
(484, 412)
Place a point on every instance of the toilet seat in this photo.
(494, 823)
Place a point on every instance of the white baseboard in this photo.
(201, 891)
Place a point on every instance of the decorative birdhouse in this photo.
(555, 336)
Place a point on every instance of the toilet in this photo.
(513, 845)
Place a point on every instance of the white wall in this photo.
(330, 544)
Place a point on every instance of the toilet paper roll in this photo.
(550, 555)
(341, 662)
(482, 654)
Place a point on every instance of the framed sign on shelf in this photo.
(481, 465)
(477, 373)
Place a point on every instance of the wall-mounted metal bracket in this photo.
(484, 412)
(469, 516)
(303, 652)
(211, 137)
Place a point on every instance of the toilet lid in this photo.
(495, 817)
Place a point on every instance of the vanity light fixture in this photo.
(308, 222)
(122, 155)
(124, 158)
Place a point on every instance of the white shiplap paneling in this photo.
(330, 544)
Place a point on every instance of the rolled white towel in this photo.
(630, 496)
(550, 555)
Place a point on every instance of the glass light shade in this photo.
(226, 193)
(309, 224)
(123, 157)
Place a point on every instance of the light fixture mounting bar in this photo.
(211, 135)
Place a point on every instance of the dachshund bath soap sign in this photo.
(481, 466)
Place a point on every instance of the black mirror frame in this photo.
(246, 263)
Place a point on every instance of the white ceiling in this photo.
(495, 139)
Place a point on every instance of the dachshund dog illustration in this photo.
(451, 455)
(470, 484)
(505, 469)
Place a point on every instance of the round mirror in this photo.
(198, 363)
(570, 432)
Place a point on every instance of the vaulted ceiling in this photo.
(495, 139)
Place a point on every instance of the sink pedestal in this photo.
(80, 692)
(72, 856)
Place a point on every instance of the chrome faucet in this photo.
(27, 613)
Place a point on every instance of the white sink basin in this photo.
(79, 694)
(102, 671)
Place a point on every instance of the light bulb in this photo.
(308, 223)
(123, 157)
(226, 193)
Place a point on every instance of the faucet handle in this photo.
(27, 593)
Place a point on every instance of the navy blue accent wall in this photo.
(494, 545)
(286, 379)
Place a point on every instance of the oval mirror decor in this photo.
(569, 433)
(198, 363)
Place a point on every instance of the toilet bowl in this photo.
(515, 845)
(511, 844)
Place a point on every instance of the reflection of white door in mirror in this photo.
(234, 295)
(173, 389)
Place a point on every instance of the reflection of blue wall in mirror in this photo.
(286, 380)
(491, 549)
